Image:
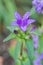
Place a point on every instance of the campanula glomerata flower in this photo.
(22, 22)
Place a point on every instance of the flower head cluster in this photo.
(22, 22)
(38, 4)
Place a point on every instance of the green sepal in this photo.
(11, 36)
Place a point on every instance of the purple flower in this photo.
(33, 28)
(35, 40)
(38, 60)
(22, 22)
(34, 37)
(38, 4)
(36, 53)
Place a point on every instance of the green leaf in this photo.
(11, 36)
(18, 62)
(30, 48)
(27, 62)
(40, 44)
(24, 55)
(12, 28)
(11, 51)
(15, 51)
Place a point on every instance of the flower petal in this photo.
(38, 59)
(41, 56)
(35, 40)
(34, 2)
(36, 53)
(33, 28)
(31, 21)
(26, 15)
(14, 23)
(19, 22)
(17, 15)
(23, 28)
